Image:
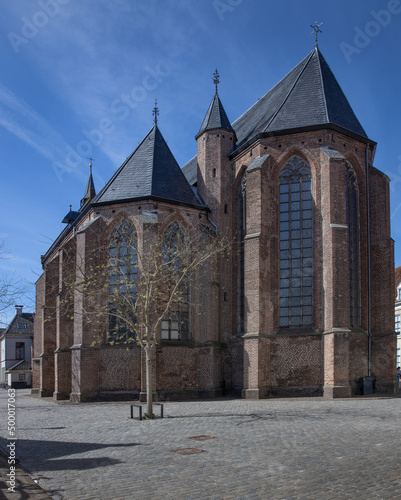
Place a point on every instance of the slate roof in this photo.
(70, 217)
(151, 171)
(307, 95)
(25, 318)
(22, 365)
(216, 117)
(190, 170)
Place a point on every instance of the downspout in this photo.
(369, 273)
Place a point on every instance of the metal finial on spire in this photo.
(216, 79)
(316, 30)
(155, 113)
(90, 162)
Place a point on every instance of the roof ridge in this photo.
(265, 94)
(156, 129)
(116, 173)
(290, 91)
(322, 84)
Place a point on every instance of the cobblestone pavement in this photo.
(270, 449)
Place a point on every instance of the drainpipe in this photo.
(369, 273)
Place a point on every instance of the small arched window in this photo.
(296, 245)
(123, 274)
(175, 254)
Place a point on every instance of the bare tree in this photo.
(12, 289)
(140, 284)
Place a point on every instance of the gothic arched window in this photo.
(175, 251)
(296, 245)
(123, 274)
(352, 219)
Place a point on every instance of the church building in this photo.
(302, 307)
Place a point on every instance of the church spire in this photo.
(216, 117)
(90, 191)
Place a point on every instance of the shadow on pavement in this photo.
(55, 455)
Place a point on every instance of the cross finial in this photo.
(216, 79)
(155, 113)
(90, 162)
(316, 30)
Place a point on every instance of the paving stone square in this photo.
(269, 449)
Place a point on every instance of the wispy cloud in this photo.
(30, 127)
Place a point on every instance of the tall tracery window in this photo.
(296, 244)
(352, 218)
(123, 273)
(175, 325)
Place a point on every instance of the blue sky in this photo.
(80, 77)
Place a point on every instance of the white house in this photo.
(15, 350)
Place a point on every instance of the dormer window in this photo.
(21, 326)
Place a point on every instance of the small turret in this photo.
(90, 191)
(216, 139)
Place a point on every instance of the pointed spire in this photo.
(216, 117)
(155, 113)
(90, 191)
(151, 171)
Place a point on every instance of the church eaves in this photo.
(151, 171)
(309, 95)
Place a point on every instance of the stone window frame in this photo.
(295, 252)
(175, 326)
(122, 277)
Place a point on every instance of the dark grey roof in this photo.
(190, 170)
(308, 95)
(216, 118)
(23, 318)
(70, 217)
(22, 365)
(150, 171)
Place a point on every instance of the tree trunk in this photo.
(149, 382)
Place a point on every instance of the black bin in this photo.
(367, 385)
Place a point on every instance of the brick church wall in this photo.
(296, 362)
(120, 369)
